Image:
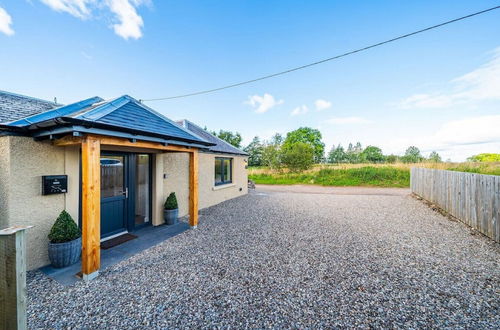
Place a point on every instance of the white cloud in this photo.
(481, 84)
(302, 110)
(322, 104)
(456, 139)
(346, 120)
(77, 8)
(5, 22)
(263, 103)
(426, 101)
(129, 22)
(473, 130)
(86, 55)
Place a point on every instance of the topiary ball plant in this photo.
(171, 202)
(64, 229)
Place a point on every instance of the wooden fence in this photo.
(472, 198)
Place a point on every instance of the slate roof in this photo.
(95, 115)
(15, 106)
(220, 146)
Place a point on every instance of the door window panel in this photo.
(142, 188)
(112, 176)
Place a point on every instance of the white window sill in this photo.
(223, 186)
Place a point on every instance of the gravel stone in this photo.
(292, 260)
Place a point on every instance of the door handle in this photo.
(125, 192)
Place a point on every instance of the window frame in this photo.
(222, 173)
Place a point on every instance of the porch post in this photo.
(91, 207)
(193, 189)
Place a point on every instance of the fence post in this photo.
(13, 278)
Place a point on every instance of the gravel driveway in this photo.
(282, 259)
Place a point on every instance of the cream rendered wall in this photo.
(4, 180)
(29, 160)
(72, 170)
(212, 195)
(176, 168)
(25, 161)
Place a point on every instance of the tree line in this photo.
(303, 147)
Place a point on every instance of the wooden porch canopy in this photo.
(91, 188)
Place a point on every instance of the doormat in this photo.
(117, 241)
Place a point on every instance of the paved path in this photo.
(281, 260)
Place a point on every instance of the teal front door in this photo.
(125, 192)
(114, 194)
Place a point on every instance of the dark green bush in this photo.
(64, 229)
(171, 202)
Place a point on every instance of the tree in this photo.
(271, 152)
(354, 153)
(434, 157)
(337, 155)
(309, 136)
(412, 155)
(373, 154)
(276, 139)
(230, 137)
(298, 157)
(391, 158)
(254, 150)
(486, 157)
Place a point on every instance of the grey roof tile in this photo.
(220, 145)
(14, 106)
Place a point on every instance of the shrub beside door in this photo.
(171, 210)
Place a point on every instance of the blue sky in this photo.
(439, 90)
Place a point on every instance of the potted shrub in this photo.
(171, 210)
(65, 246)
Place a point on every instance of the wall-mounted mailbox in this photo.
(54, 184)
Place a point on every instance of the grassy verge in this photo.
(382, 175)
(363, 176)
(481, 169)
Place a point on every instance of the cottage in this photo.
(120, 160)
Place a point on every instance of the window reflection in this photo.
(112, 179)
(142, 188)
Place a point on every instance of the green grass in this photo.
(362, 176)
(481, 169)
(374, 175)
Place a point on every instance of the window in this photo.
(223, 170)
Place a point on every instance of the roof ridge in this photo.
(165, 118)
(98, 112)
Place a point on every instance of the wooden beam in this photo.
(193, 189)
(91, 207)
(114, 141)
(122, 142)
(68, 140)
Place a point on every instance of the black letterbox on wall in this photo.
(54, 184)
